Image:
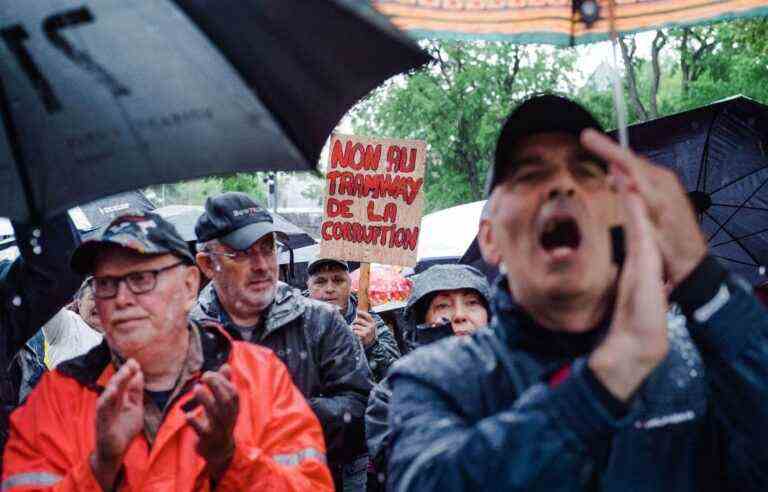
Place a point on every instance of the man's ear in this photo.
(192, 285)
(486, 239)
(205, 264)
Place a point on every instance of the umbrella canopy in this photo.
(87, 218)
(719, 153)
(447, 234)
(111, 95)
(387, 284)
(560, 23)
(184, 218)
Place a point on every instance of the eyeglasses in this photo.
(266, 250)
(137, 282)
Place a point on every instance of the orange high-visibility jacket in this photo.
(279, 442)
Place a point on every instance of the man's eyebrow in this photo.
(583, 155)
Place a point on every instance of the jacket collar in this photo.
(518, 330)
(92, 369)
(287, 306)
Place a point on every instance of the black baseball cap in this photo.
(319, 263)
(541, 113)
(144, 232)
(236, 220)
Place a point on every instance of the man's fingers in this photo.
(119, 381)
(200, 422)
(224, 394)
(622, 160)
(364, 315)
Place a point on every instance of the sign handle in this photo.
(363, 303)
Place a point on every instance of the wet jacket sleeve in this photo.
(36, 286)
(39, 453)
(292, 455)
(376, 425)
(548, 439)
(730, 327)
(383, 352)
(346, 383)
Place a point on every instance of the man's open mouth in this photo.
(560, 232)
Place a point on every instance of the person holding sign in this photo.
(329, 281)
(585, 379)
(238, 251)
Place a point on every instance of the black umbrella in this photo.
(719, 152)
(96, 214)
(103, 96)
(184, 218)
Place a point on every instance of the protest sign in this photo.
(374, 198)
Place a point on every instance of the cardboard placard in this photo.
(374, 197)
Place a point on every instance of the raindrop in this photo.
(37, 250)
(374, 364)
(381, 478)
(302, 355)
(761, 270)
(694, 373)
(36, 232)
(217, 268)
(398, 420)
(16, 301)
(33, 241)
(347, 417)
(288, 351)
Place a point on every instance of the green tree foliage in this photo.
(457, 105)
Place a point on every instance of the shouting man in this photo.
(583, 381)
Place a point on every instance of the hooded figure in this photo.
(443, 292)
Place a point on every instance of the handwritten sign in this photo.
(374, 198)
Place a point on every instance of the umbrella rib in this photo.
(705, 156)
(17, 153)
(738, 179)
(734, 238)
(735, 261)
(746, 236)
(759, 209)
(721, 226)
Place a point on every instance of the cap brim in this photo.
(244, 237)
(317, 264)
(541, 114)
(84, 257)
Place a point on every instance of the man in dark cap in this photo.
(163, 403)
(238, 252)
(583, 381)
(329, 281)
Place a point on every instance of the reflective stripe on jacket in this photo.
(279, 442)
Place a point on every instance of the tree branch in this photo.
(628, 55)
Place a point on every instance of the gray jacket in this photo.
(323, 356)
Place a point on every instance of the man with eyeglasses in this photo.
(238, 252)
(164, 403)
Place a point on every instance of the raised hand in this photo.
(680, 239)
(365, 328)
(119, 417)
(215, 422)
(637, 339)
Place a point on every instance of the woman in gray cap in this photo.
(445, 300)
